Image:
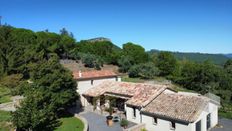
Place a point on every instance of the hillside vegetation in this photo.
(27, 55)
(5, 124)
(218, 59)
(30, 66)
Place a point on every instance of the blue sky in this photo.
(174, 25)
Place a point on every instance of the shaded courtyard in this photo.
(98, 122)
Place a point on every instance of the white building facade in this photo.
(158, 123)
(157, 106)
(206, 119)
(89, 79)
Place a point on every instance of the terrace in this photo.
(97, 122)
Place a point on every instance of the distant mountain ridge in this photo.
(228, 55)
(218, 59)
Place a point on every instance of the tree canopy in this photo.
(136, 52)
(27, 55)
(166, 62)
(145, 71)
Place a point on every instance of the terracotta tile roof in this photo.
(99, 89)
(154, 99)
(145, 94)
(141, 94)
(93, 74)
(177, 106)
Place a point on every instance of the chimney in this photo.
(80, 74)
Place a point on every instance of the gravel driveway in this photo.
(225, 123)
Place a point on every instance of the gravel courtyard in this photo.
(225, 123)
(98, 123)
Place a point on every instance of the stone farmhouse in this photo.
(158, 106)
(89, 79)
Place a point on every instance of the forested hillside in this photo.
(218, 59)
(29, 66)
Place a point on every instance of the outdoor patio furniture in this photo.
(116, 118)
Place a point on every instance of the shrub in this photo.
(125, 62)
(92, 61)
(146, 71)
(124, 123)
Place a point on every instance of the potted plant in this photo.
(124, 123)
(109, 118)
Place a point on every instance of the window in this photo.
(91, 82)
(172, 125)
(116, 78)
(134, 112)
(208, 121)
(154, 120)
(198, 126)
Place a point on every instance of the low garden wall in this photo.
(86, 125)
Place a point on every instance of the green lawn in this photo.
(226, 110)
(140, 80)
(5, 95)
(182, 89)
(67, 123)
(135, 80)
(160, 79)
(5, 124)
(70, 124)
